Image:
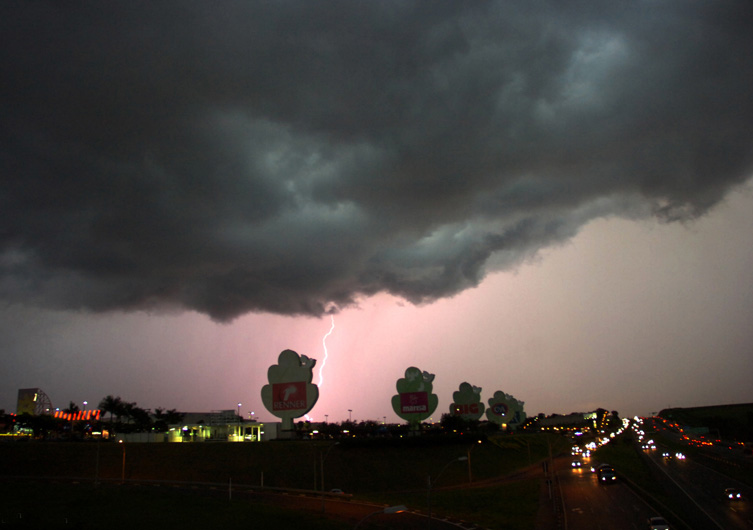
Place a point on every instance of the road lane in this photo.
(589, 505)
(705, 487)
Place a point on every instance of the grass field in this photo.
(50, 506)
(392, 472)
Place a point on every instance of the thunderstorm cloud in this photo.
(289, 156)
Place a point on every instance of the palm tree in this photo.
(72, 408)
(113, 405)
(165, 418)
(141, 418)
(110, 404)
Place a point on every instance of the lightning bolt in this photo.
(324, 344)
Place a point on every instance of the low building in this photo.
(220, 426)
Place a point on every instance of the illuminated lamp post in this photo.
(85, 404)
(122, 472)
(470, 448)
(430, 484)
(240, 436)
(388, 510)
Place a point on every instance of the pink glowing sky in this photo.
(629, 316)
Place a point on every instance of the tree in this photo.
(165, 418)
(454, 423)
(141, 418)
(110, 404)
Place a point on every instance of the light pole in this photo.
(85, 404)
(324, 456)
(388, 510)
(470, 448)
(430, 484)
(349, 416)
(240, 419)
(122, 472)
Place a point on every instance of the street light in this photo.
(388, 510)
(122, 473)
(323, 457)
(470, 448)
(240, 419)
(85, 404)
(349, 417)
(430, 484)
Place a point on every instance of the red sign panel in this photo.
(472, 408)
(411, 402)
(499, 409)
(289, 396)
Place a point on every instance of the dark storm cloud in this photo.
(283, 156)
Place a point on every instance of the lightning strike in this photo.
(324, 344)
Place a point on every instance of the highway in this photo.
(589, 505)
(704, 487)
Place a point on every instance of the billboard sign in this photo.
(412, 402)
(290, 393)
(467, 402)
(289, 396)
(505, 410)
(499, 409)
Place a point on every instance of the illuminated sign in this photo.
(414, 401)
(411, 402)
(81, 415)
(290, 393)
(289, 396)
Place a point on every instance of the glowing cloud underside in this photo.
(324, 344)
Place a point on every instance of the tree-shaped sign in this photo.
(466, 402)
(505, 410)
(414, 401)
(290, 393)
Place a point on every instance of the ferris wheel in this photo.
(42, 404)
(33, 401)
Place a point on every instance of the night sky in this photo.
(552, 199)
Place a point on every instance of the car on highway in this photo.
(733, 494)
(576, 464)
(657, 523)
(606, 474)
